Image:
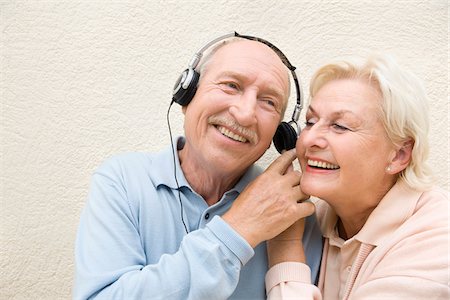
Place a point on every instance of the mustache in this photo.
(249, 134)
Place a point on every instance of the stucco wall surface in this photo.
(83, 80)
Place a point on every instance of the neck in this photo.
(209, 183)
(353, 214)
(348, 228)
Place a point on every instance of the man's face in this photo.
(231, 121)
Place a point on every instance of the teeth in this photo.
(231, 135)
(321, 164)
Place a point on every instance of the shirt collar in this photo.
(328, 222)
(392, 211)
(164, 162)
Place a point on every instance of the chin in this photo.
(313, 189)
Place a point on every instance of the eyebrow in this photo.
(270, 89)
(339, 113)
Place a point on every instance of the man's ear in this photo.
(402, 157)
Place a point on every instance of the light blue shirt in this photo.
(131, 242)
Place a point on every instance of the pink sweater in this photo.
(402, 253)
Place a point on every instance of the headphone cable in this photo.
(175, 169)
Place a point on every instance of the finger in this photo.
(299, 164)
(301, 196)
(290, 168)
(293, 178)
(281, 164)
(305, 209)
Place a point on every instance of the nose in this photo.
(244, 108)
(314, 136)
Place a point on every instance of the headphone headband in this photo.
(186, 86)
(199, 54)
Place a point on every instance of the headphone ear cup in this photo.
(285, 137)
(181, 95)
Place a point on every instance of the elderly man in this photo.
(159, 226)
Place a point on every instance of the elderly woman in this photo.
(363, 157)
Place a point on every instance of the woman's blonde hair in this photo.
(404, 107)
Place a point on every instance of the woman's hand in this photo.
(287, 246)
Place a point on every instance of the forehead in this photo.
(252, 60)
(238, 51)
(356, 95)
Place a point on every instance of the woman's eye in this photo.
(339, 127)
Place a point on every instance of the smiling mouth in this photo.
(231, 135)
(322, 165)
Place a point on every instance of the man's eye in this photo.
(229, 87)
(309, 123)
(232, 85)
(269, 102)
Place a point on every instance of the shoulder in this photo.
(418, 247)
(436, 197)
(123, 178)
(131, 168)
(250, 174)
(137, 169)
(254, 171)
(436, 194)
(433, 203)
(125, 162)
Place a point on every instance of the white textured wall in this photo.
(82, 80)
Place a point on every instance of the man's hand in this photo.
(271, 203)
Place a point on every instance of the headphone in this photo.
(185, 87)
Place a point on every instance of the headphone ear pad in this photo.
(184, 96)
(285, 137)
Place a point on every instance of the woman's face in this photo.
(344, 149)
